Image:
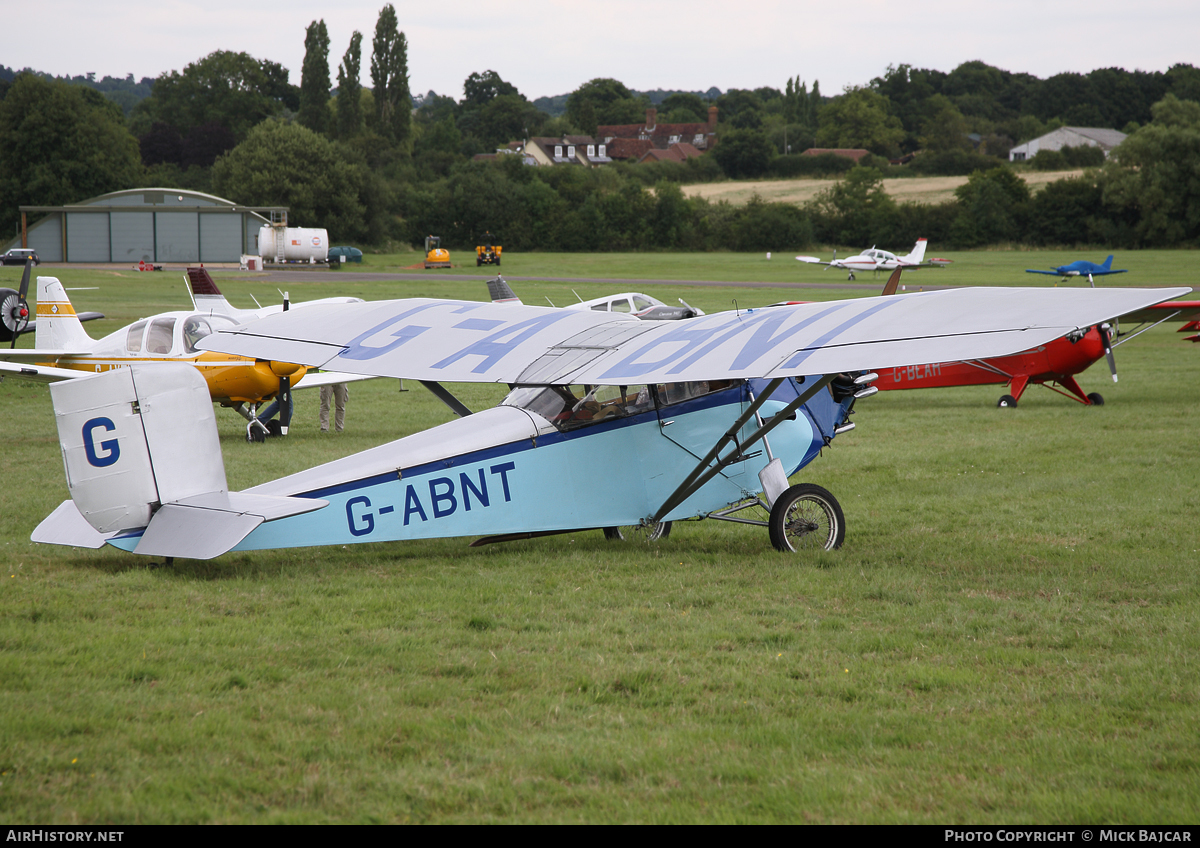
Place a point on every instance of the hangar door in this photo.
(220, 237)
(87, 237)
(177, 237)
(132, 236)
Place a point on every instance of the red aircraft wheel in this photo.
(1007, 401)
(807, 517)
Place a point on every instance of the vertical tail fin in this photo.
(206, 297)
(501, 292)
(141, 452)
(58, 326)
(1107, 266)
(917, 256)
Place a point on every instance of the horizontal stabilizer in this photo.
(208, 525)
(39, 373)
(66, 526)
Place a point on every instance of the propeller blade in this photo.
(1108, 353)
(20, 316)
(25, 278)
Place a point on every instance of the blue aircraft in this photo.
(612, 423)
(1081, 268)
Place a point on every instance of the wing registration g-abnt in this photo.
(460, 341)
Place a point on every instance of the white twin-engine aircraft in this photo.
(612, 423)
(875, 259)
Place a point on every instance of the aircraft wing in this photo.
(469, 342)
(40, 373)
(314, 380)
(29, 354)
(1051, 273)
(1186, 311)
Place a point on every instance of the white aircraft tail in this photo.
(57, 327)
(141, 450)
(917, 256)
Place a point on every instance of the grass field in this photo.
(1008, 635)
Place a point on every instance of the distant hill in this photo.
(124, 92)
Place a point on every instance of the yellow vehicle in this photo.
(435, 255)
(487, 253)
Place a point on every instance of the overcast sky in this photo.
(547, 47)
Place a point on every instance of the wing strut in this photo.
(702, 473)
(440, 392)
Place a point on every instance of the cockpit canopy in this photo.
(572, 407)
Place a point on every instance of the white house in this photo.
(1062, 137)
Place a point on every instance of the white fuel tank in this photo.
(300, 244)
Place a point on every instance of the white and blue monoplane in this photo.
(611, 423)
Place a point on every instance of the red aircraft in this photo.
(1052, 365)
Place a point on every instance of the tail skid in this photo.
(143, 458)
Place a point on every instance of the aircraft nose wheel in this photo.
(638, 532)
(808, 518)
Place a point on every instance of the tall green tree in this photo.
(281, 164)
(1153, 177)
(611, 102)
(860, 119)
(480, 89)
(855, 210)
(62, 144)
(349, 99)
(314, 79)
(389, 76)
(232, 89)
(993, 207)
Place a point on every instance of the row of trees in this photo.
(360, 161)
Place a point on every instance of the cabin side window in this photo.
(671, 393)
(133, 341)
(160, 336)
(572, 407)
(194, 329)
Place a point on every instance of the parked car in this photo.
(18, 255)
(352, 254)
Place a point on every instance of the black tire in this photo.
(274, 428)
(807, 517)
(1007, 402)
(637, 533)
(1096, 398)
(497, 261)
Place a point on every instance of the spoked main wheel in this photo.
(639, 532)
(807, 518)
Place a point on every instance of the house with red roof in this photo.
(701, 137)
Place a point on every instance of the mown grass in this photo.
(1009, 635)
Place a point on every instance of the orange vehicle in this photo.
(488, 253)
(435, 255)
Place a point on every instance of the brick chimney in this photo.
(651, 118)
(712, 118)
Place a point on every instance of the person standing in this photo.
(338, 392)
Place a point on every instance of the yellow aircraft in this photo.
(63, 351)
